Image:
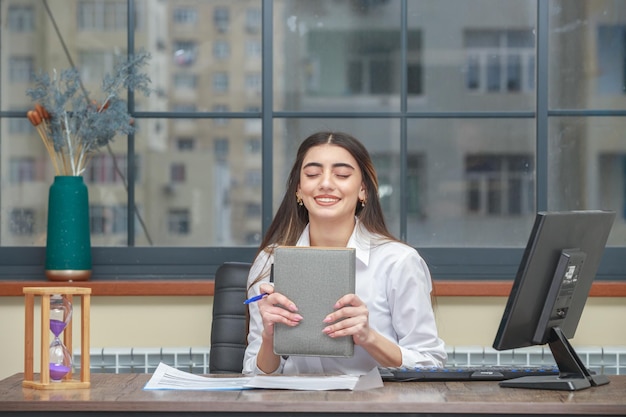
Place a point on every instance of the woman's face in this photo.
(331, 183)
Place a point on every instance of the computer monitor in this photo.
(549, 293)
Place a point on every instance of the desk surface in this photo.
(115, 393)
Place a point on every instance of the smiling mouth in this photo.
(326, 199)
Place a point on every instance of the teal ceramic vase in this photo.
(68, 243)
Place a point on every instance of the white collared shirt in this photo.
(394, 282)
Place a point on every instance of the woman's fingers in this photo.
(351, 318)
(276, 308)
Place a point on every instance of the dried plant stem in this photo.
(70, 142)
(81, 158)
(49, 147)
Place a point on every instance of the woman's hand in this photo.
(276, 308)
(350, 318)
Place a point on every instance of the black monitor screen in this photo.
(549, 293)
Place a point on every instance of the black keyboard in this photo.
(464, 373)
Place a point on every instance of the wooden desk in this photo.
(112, 394)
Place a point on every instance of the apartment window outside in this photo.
(22, 169)
(22, 222)
(106, 220)
(178, 221)
(220, 82)
(187, 81)
(369, 62)
(500, 61)
(221, 149)
(20, 18)
(185, 15)
(221, 18)
(21, 69)
(104, 15)
(185, 53)
(369, 75)
(103, 169)
(185, 144)
(499, 185)
(253, 83)
(253, 48)
(221, 50)
(97, 219)
(253, 20)
(416, 185)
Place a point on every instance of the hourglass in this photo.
(60, 316)
(56, 357)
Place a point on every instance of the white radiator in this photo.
(604, 360)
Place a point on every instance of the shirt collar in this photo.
(360, 239)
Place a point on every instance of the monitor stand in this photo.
(573, 375)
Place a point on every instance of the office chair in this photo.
(229, 329)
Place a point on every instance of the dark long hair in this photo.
(291, 218)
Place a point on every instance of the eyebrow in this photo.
(337, 165)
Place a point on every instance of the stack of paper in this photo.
(166, 377)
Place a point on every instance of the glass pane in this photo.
(208, 59)
(587, 167)
(198, 185)
(474, 178)
(593, 76)
(334, 56)
(374, 134)
(478, 60)
(95, 35)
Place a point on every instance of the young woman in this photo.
(332, 200)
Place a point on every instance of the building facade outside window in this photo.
(476, 113)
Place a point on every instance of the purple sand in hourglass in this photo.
(57, 326)
(58, 371)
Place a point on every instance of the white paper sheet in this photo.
(166, 377)
(318, 382)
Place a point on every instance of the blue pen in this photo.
(255, 298)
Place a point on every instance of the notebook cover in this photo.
(314, 278)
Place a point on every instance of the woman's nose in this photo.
(326, 180)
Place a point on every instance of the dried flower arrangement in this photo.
(72, 126)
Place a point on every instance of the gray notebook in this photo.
(314, 278)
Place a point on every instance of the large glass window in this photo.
(21, 18)
(477, 114)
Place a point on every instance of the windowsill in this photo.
(206, 288)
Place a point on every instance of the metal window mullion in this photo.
(130, 167)
(267, 115)
(541, 94)
(404, 154)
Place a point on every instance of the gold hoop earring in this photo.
(299, 200)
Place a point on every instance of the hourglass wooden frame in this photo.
(44, 376)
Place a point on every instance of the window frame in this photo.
(450, 263)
